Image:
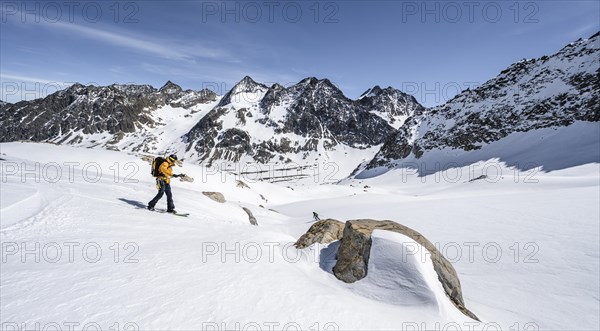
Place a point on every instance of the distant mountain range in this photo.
(313, 122)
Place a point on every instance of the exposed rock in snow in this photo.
(355, 248)
(216, 196)
(251, 217)
(241, 184)
(323, 232)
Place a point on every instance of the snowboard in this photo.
(162, 211)
(179, 214)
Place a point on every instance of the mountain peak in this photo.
(277, 86)
(327, 82)
(308, 81)
(374, 91)
(247, 80)
(170, 88)
(76, 86)
(317, 83)
(247, 84)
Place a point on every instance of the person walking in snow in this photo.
(163, 183)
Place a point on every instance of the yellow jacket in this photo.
(166, 171)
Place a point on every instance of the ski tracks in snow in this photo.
(52, 212)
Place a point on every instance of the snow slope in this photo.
(549, 149)
(213, 270)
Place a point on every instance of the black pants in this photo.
(163, 188)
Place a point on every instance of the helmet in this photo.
(172, 158)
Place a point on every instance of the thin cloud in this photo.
(17, 87)
(590, 29)
(160, 48)
(28, 79)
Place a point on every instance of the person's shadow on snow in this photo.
(134, 203)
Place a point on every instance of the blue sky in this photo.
(431, 49)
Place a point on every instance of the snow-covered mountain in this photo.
(130, 117)
(551, 93)
(391, 104)
(306, 122)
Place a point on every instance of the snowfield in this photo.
(79, 251)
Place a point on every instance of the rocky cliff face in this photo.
(552, 91)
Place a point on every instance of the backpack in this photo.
(156, 165)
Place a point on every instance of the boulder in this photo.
(353, 253)
(250, 216)
(216, 196)
(355, 248)
(353, 257)
(323, 231)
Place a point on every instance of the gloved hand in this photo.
(177, 175)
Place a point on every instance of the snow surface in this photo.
(214, 270)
